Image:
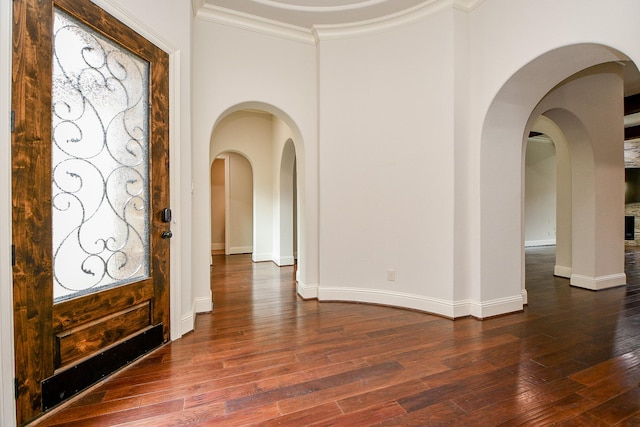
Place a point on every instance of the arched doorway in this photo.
(268, 143)
(286, 247)
(232, 204)
(555, 87)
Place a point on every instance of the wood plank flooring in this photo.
(266, 357)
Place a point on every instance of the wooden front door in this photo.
(90, 186)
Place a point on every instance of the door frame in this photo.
(180, 325)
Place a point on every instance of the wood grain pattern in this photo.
(267, 357)
(31, 219)
(36, 319)
(78, 311)
(85, 340)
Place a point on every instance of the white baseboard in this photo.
(562, 271)
(199, 305)
(285, 260)
(187, 323)
(496, 307)
(217, 246)
(306, 291)
(532, 243)
(450, 309)
(202, 305)
(261, 257)
(598, 283)
(240, 250)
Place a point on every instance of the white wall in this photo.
(235, 69)
(218, 203)
(241, 209)
(284, 196)
(540, 192)
(386, 165)
(249, 133)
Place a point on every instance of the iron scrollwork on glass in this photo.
(100, 172)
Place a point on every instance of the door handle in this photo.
(167, 234)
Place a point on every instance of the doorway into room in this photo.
(231, 204)
(254, 188)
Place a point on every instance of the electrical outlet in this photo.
(391, 274)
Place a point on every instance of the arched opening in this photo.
(271, 145)
(286, 247)
(231, 204)
(562, 237)
(586, 103)
(540, 191)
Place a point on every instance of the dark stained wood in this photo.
(87, 339)
(632, 132)
(31, 219)
(49, 336)
(159, 140)
(632, 104)
(266, 357)
(78, 311)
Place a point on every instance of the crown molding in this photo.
(466, 5)
(362, 4)
(384, 23)
(232, 18)
(196, 5)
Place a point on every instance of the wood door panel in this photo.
(78, 311)
(48, 335)
(31, 103)
(95, 336)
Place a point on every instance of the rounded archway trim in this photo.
(500, 187)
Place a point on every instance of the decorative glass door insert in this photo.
(100, 153)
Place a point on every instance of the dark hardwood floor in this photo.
(266, 357)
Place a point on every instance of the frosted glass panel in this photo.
(100, 200)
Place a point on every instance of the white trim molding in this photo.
(233, 18)
(496, 307)
(259, 24)
(466, 5)
(449, 309)
(261, 257)
(562, 271)
(598, 283)
(534, 243)
(187, 323)
(188, 320)
(284, 260)
(203, 304)
(385, 23)
(233, 250)
(306, 291)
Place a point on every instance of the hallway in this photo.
(266, 357)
